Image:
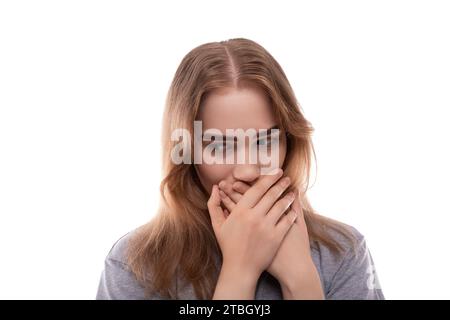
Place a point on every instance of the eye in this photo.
(220, 145)
(263, 141)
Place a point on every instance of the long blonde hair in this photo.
(180, 240)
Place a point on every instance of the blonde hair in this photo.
(180, 240)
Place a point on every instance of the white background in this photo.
(82, 88)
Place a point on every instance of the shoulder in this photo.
(348, 243)
(119, 248)
(349, 239)
(117, 281)
(351, 273)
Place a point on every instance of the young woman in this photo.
(232, 230)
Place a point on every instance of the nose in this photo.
(246, 172)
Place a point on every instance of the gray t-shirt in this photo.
(349, 276)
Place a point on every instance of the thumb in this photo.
(215, 211)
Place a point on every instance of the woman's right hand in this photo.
(253, 231)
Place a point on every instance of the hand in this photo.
(292, 264)
(251, 233)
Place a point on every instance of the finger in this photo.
(256, 192)
(285, 223)
(240, 187)
(227, 188)
(227, 201)
(227, 213)
(280, 207)
(214, 209)
(272, 195)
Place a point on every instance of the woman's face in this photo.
(230, 108)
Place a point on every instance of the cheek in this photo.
(212, 174)
(282, 154)
(278, 157)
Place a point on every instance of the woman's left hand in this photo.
(292, 265)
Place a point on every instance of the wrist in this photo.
(295, 273)
(240, 273)
(236, 283)
(303, 284)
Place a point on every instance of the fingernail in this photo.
(290, 196)
(222, 184)
(285, 182)
(275, 171)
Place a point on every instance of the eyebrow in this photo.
(263, 134)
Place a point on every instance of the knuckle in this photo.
(254, 225)
(286, 220)
(271, 235)
(237, 210)
(283, 185)
(238, 185)
(265, 230)
(285, 202)
(267, 179)
(249, 218)
(259, 188)
(276, 190)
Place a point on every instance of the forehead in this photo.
(232, 108)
